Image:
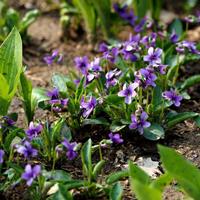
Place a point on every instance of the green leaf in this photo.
(86, 156)
(172, 70)
(177, 26)
(175, 119)
(10, 68)
(154, 132)
(28, 19)
(145, 192)
(140, 8)
(140, 184)
(197, 120)
(62, 194)
(97, 168)
(138, 174)
(26, 94)
(9, 139)
(187, 175)
(38, 95)
(65, 131)
(97, 121)
(116, 192)
(80, 90)
(193, 80)
(88, 14)
(59, 81)
(157, 98)
(116, 176)
(113, 99)
(103, 8)
(161, 182)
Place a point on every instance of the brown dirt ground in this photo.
(185, 138)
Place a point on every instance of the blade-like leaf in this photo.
(190, 82)
(175, 119)
(140, 184)
(10, 67)
(116, 192)
(86, 156)
(116, 176)
(187, 175)
(26, 94)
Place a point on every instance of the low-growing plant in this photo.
(132, 86)
(10, 18)
(177, 169)
(95, 13)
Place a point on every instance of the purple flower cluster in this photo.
(71, 153)
(57, 103)
(125, 13)
(88, 105)
(55, 56)
(183, 46)
(33, 130)
(139, 122)
(31, 173)
(173, 97)
(146, 77)
(89, 70)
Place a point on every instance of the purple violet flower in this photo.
(128, 92)
(26, 149)
(139, 123)
(189, 19)
(95, 65)
(174, 37)
(146, 77)
(88, 106)
(103, 47)
(71, 153)
(121, 10)
(54, 94)
(8, 121)
(111, 78)
(55, 56)
(115, 138)
(31, 173)
(33, 130)
(173, 97)
(154, 56)
(161, 68)
(82, 64)
(111, 55)
(190, 46)
(150, 40)
(2, 153)
(139, 27)
(129, 48)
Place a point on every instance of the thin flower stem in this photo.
(100, 152)
(177, 71)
